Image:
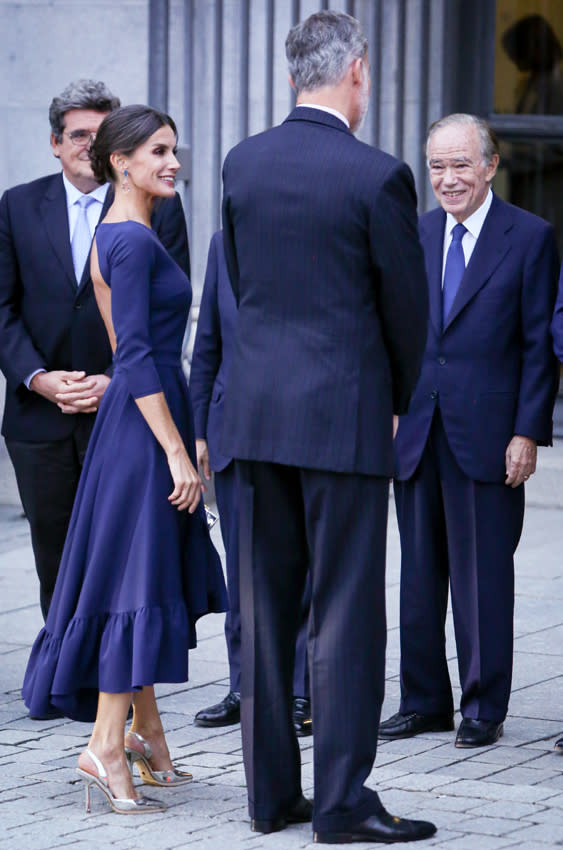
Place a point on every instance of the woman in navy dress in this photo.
(138, 566)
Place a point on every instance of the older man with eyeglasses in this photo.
(54, 350)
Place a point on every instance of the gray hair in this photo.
(488, 139)
(81, 94)
(320, 49)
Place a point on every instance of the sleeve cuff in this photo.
(27, 381)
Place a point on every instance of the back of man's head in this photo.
(80, 94)
(320, 49)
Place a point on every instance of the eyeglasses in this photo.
(81, 138)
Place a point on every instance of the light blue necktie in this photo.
(82, 237)
(453, 273)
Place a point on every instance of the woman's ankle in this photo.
(147, 731)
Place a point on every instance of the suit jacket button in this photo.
(77, 306)
(441, 361)
(434, 394)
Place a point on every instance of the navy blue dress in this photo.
(136, 573)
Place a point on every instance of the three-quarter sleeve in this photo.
(131, 260)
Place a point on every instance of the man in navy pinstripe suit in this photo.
(321, 244)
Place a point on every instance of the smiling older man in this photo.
(483, 403)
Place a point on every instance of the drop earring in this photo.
(125, 187)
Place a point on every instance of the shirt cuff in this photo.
(27, 381)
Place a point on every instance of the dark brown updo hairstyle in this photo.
(123, 131)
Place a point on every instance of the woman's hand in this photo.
(187, 483)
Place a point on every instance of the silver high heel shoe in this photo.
(123, 806)
(166, 778)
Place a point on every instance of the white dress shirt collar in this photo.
(73, 194)
(328, 109)
(475, 221)
(473, 225)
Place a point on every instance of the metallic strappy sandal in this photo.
(165, 778)
(123, 806)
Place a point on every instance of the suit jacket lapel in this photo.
(54, 215)
(433, 244)
(491, 247)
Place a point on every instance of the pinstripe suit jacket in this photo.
(321, 243)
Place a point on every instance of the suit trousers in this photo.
(227, 504)
(336, 523)
(460, 533)
(47, 475)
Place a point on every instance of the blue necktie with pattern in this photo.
(453, 273)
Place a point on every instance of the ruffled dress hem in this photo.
(111, 652)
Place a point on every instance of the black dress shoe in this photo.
(381, 827)
(408, 725)
(558, 745)
(478, 733)
(302, 720)
(301, 812)
(225, 713)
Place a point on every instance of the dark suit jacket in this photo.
(212, 353)
(557, 323)
(322, 248)
(492, 369)
(46, 321)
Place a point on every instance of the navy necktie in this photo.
(82, 237)
(453, 273)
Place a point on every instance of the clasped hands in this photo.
(72, 392)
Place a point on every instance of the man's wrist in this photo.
(27, 381)
(528, 439)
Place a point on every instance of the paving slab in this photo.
(506, 796)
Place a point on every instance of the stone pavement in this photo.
(506, 796)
